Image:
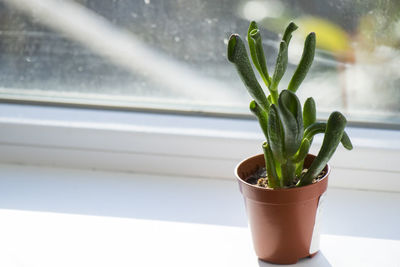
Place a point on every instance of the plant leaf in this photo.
(280, 66)
(320, 127)
(287, 36)
(309, 112)
(305, 63)
(261, 115)
(238, 56)
(292, 121)
(252, 47)
(282, 59)
(346, 142)
(257, 52)
(302, 152)
(260, 57)
(333, 135)
(253, 26)
(276, 134)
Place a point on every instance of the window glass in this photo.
(171, 54)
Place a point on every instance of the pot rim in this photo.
(327, 167)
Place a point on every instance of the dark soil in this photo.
(260, 178)
(260, 173)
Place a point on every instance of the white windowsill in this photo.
(66, 217)
(174, 145)
(112, 188)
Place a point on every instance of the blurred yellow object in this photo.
(330, 37)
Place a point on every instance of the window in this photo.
(157, 54)
(170, 55)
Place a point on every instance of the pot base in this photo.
(287, 261)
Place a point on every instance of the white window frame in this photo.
(180, 145)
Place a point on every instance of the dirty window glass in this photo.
(171, 54)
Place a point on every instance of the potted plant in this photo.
(283, 187)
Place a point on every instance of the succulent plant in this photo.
(288, 129)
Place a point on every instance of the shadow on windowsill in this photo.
(318, 260)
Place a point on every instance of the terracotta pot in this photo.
(284, 222)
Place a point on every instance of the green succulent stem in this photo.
(270, 165)
(299, 168)
(288, 173)
(274, 96)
